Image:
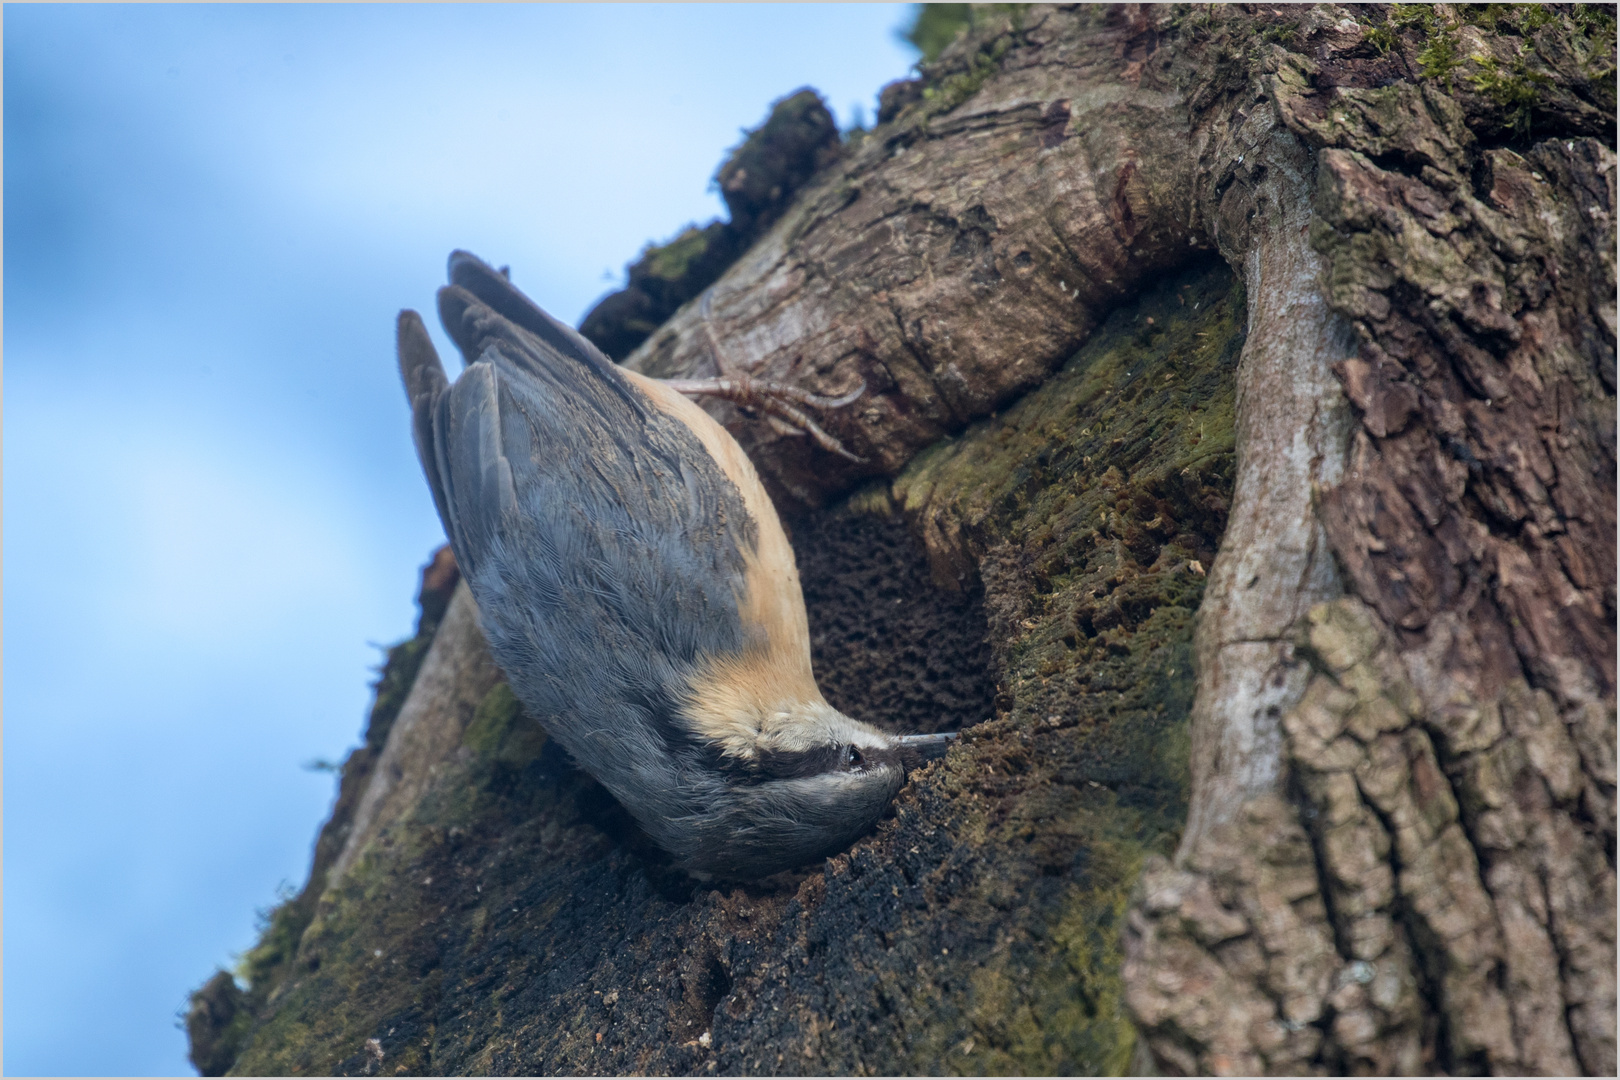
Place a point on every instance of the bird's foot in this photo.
(783, 405)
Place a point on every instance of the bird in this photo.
(637, 589)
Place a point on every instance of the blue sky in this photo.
(212, 511)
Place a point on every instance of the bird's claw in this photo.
(782, 404)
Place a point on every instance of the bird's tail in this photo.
(477, 289)
(425, 388)
(494, 289)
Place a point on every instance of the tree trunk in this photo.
(1330, 288)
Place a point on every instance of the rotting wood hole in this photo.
(918, 666)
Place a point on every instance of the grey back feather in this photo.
(602, 543)
(604, 546)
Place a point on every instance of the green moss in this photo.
(1381, 38)
(1138, 412)
(1091, 954)
(1283, 33)
(1509, 73)
(933, 27)
(951, 77)
(266, 966)
(1531, 17)
(235, 1036)
(1516, 90)
(1595, 20)
(1108, 483)
(500, 730)
(956, 88)
(758, 181)
(1065, 1013)
(1420, 16)
(280, 927)
(367, 964)
(1594, 41)
(671, 261)
(216, 1024)
(1438, 57)
(1411, 15)
(1506, 18)
(393, 686)
(366, 971)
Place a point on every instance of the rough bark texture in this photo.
(1328, 289)
(1429, 883)
(963, 251)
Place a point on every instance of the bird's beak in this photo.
(921, 748)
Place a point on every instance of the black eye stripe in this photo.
(787, 764)
(795, 764)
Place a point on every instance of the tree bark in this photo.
(1386, 843)
(1401, 858)
(1428, 883)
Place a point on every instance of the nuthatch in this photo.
(637, 589)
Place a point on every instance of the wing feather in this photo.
(604, 545)
(425, 385)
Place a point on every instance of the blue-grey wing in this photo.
(602, 542)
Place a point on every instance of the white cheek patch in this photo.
(868, 737)
(818, 725)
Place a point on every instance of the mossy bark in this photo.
(508, 914)
(1240, 406)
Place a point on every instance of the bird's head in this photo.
(798, 781)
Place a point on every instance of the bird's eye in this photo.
(852, 758)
